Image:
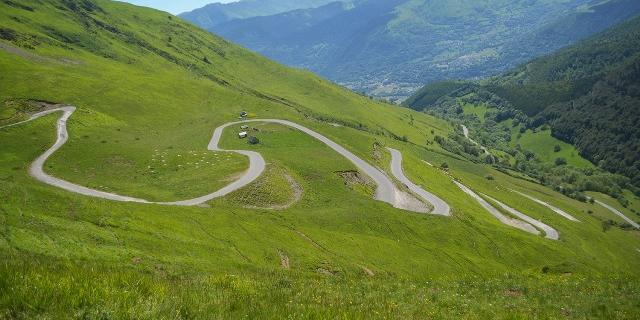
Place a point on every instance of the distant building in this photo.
(242, 134)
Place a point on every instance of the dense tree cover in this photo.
(569, 180)
(605, 123)
(428, 95)
(589, 95)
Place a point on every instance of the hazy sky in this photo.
(174, 6)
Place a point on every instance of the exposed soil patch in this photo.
(513, 293)
(327, 269)
(324, 271)
(353, 177)
(367, 271)
(406, 200)
(284, 259)
(358, 181)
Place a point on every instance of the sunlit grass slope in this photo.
(149, 86)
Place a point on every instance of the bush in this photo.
(253, 140)
(561, 161)
(606, 225)
(444, 166)
(557, 148)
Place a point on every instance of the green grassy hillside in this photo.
(150, 87)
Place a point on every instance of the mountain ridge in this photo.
(216, 13)
(415, 42)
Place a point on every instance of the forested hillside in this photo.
(588, 93)
(389, 49)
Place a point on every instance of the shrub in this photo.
(557, 148)
(606, 225)
(561, 161)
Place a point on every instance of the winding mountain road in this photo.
(550, 233)
(37, 172)
(618, 213)
(526, 223)
(496, 213)
(554, 209)
(386, 190)
(439, 206)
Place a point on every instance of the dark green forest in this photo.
(588, 93)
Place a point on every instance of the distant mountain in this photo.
(391, 48)
(589, 94)
(266, 29)
(217, 13)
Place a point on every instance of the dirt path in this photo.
(465, 131)
(386, 191)
(496, 213)
(618, 213)
(439, 206)
(550, 233)
(554, 209)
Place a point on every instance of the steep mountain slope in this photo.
(307, 239)
(390, 48)
(585, 21)
(588, 93)
(265, 29)
(216, 13)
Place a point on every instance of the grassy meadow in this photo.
(145, 93)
